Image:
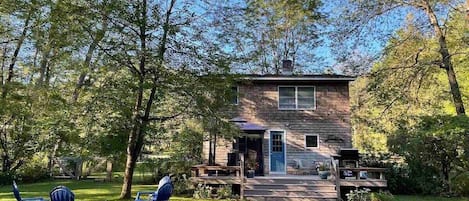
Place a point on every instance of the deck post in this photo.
(241, 165)
(336, 177)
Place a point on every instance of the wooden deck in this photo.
(290, 187)
(216, 180)
(374, 177)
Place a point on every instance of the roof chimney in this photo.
(287, 67)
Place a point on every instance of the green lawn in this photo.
(426, 198)
(84, 190)
(91, 190)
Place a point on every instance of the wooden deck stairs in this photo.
(284, 188)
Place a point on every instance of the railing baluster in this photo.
(241, 164)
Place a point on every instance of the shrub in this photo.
(33, 173)
(460, 184)
(359, 195)
(381, 196)
(202, 191)
(181, 185)
(225, 191)
(433, 149)
(6, 178)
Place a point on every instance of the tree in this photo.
(437, 142)
(365, 22)
(268, 32)
(164, 49)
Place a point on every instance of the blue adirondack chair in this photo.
(163, 193)
(61, 193)
(16, 193)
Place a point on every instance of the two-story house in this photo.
(289, 122)
(289, 118)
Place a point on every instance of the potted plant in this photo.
(323, 171)
(252, 165)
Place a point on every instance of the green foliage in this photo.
(403, 106)
(33, 172)
(433, 149)
(359, 195)
(225, 191)
(6, 178)
(460, 183)
(404, 178)
(202, 191)
(381, 196)
(182, 185)
(266, 32)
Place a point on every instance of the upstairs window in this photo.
(234, 95)
(296, 98)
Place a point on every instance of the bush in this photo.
(413, 177)
(202, 191)
(381, 196)
(6, 178)
(33, 173)
(359, 195)
(460, 184)
(225, 191)
(181, 185)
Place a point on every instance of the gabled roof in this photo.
(306, 77)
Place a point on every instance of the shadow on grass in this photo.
(84, 190)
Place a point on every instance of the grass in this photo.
(426, 198)
(99, 191)
(83, 190)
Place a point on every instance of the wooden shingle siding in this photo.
(223, 148)
(258, 103)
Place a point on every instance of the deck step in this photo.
(291, 198)
(291, 193)
(289, 189)
(299, 187)
(259, 180)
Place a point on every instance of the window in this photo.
(277, 141)
(296, 97)
(234, 95)
(311, 141)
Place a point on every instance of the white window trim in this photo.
(237, 96)
(296, 97)
(317, 137)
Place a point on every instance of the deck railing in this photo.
(204, 173)
(368, 170)
(241, 166)
(336, 175)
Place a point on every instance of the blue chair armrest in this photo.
(33, 199)
(142, 193)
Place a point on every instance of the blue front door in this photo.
(277, 152)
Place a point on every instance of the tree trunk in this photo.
(134, 148)
(136, 137)
(89, 55)
(2, 70)
(50, 164)
(446, 60)
(15, 54)
(43, 64)
(6, 163)
(135, 142)
(108, 170)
